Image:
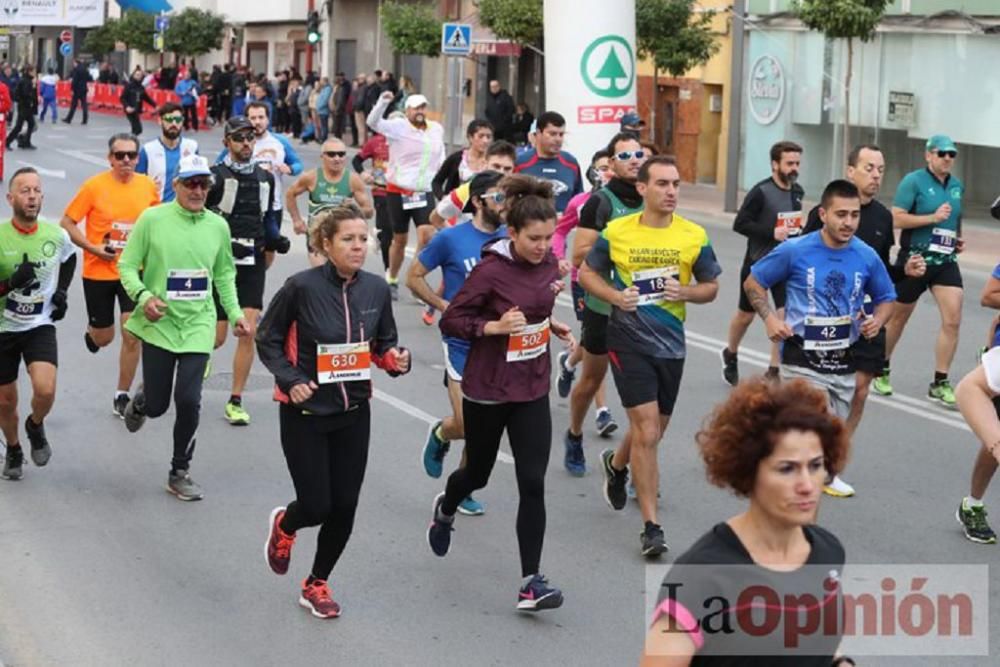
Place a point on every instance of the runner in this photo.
(453, 207)
(658, 262)
(978, 397)
(827, 276)
(243, 193)
(376, 150)
(329, 186)
(158, 158)
(183, 251)
(504, 310)
(928, 208)
(547, 161)
(865, 167)
(620, 197)
(36, 267)
(416, 150)
(463, 164)
(109, 204)
(768, 443)
(313, 340)
(456, 251)
(770, 214)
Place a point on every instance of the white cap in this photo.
(193, 165)
(415, 100)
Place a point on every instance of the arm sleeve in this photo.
(291, 157)
(589, 213)
(386, 338)
(132, 258)
(906, 194)
(80, 205)
(706, 268)
(66, 271)
(375, 120)
(271, 334)
(748, 222)
(464, 316)
(773, 267)
(142, 166)
(224, 277)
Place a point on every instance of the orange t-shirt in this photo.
(110, 208)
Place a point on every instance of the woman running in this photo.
(321, 334)
(505, 310)
(773, 444)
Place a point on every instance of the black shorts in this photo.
(869, 355)
(641, 379)
(777, 292)
(908, 290)
(594, 332)
(401, 217)
(38, 344)
(249, 288)
(100, 296)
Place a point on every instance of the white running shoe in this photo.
(838, 488)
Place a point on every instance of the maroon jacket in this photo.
(499, 282)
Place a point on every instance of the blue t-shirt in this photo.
(825, 291)
(173, 156)
(563, 172)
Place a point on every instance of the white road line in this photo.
(44, 172)
(83, 157)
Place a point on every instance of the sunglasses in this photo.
(172, 119)
(628, 155)
(242, 138)
(122, 155)
(495, 197)
(197, 183)
(335, 153)
(951, 154)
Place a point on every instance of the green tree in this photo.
(194, 32)
(101, 40)
(136, 28)
(519, 21)
(413, 29)
(843, 19)
(673, 35)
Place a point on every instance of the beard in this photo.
(492, 218)
(26, 216)
(171, 132)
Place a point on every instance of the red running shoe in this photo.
(428, 315)
(278, 549)
(316, 598)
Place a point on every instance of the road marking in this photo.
(83, 157)
(44, 172)
(417, 413)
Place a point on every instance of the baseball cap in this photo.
(941, 142)
(237, 123)
(478, 186)
(632, 119)
(415, 100)
(193, 165)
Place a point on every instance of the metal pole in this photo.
(735, 108)
(454, 111)
(309, 45)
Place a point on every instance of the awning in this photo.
(148, 6)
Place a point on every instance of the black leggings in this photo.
(326, 458)
(158, 366)
(190, 117)
(135, 122)
(384, 226)
(529, 429)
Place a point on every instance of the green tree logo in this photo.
(602, 68)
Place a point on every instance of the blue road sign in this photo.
(162, 23)
(456, 39)
(66, 48)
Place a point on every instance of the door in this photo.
(346, 57)
(257, 56)
(667, 136)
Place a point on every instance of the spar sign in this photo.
(607, 69)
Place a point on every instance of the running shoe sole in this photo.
(722, 355)
(312, 610)
(434, 507)
(654, 550)
(550, 601)
(270, 533)
(183, 496)
(943, 404)
(465, 512)
(608, 429)
(423, 452)
(607, 483)
(830, 491)
(977, 540)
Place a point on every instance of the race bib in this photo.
(118, 236)
(187, 284)
(23, 309)
(943, 240)
(250, 259)
(652, 283)
(792, 221)
(416, 200)
(343, 362)
(827, 333)
(530, 343)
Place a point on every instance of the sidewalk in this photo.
(981, 233)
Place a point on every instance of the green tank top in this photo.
(329, 193)
(618, 209)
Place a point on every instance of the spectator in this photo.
(238, 92)
(25, 97)
(389, 83)
(187, 90)
(373, 89)
(8, 77)
(521, 125)
(358, 107)
(226, 92)
(280, 120)
(338, 104)
(406, 88)
(132, 99)
(48, 92)
(80, 78)
(302, 101)
(291, 101)
(500, 111)
(324, 103)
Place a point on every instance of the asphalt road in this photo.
(101, 566)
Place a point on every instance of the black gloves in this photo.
(58, 305)
(280, 245)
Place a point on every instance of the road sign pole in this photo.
(454, 110)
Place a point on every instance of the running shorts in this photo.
(642, 379)
(456, 352)
(777, 292)
(401, 217)
(100, 296)
(249, 288)
(908, 290)
(839, 388)
(38, 344)
(594, 332)
(869, 355)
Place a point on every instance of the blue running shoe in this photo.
(537, 595)
(574, 460)
(434, 452)
(566, 375)
(471, 507)
(606, 424)
(439, 532)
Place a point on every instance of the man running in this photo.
(657, 262)
(416, 151)
(37, 261)
(865, 168)
(243, 193)
(928, 208)
(329, 185)
(827, 276)
(771, 213)
(158, 158)
(620, 197)
(376, 150)
(109, 204)
(549, 162)
(183, 251)
(456, 251)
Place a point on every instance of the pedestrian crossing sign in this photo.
(456, 39)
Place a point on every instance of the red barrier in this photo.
(106, 98)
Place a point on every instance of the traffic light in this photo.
(312, 27)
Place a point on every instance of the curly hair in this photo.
(743, 430)
(327, 221)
